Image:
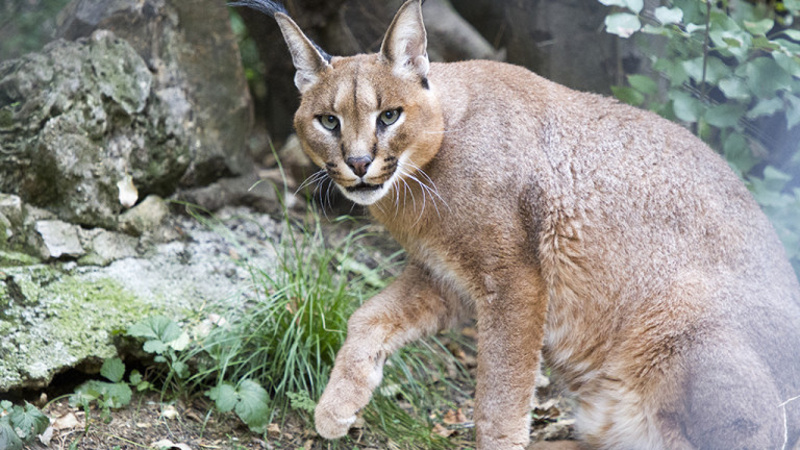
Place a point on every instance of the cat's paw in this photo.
(331, 421)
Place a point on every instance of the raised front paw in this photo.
(333, 419)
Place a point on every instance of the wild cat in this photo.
(607, 240)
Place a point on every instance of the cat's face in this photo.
(369, 121)
(368, 128)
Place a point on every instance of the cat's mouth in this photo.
(364, 187)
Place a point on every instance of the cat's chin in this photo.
(364, 193)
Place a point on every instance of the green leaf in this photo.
(724, 115)
(224, 396)
(8, 437)
(669, 15)
(760, 27)
(737, 152)
(29, 422)
(792, 111)
(765, 108)
(765, 77)
(6, 405)
(622, 24)
(686, 107)
(155, 346)
(634, 5)
(135, 377)
(301, 401)
(774, 179)
(113, 369)
(156, 327)
(181, 342)
(115, 395)
(253, 406)
(791, 34)
(628, 95)
(791, 64)
(643, 84)
(734, 88)
(716, 69)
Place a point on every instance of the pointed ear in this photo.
(309, 61)
(405, 44)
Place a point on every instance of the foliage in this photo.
(20, 425)
(112, 394)
(731, 72)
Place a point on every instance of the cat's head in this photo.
(367, 120)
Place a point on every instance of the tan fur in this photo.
(604, 237)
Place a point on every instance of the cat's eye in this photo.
(329, 121)
(389, 117)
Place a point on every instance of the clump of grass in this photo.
(287, 338)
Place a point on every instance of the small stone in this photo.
(145, 217)
(60, 238)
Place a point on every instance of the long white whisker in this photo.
(315, 178)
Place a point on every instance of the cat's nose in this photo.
(359, 164)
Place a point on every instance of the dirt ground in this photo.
(149, 423)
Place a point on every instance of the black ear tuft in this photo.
(267, 7)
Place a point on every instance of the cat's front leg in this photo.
(510, 332)
(408, 309)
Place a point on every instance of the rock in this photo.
(62, 315)
(82, 117)
(247, 190)
(104, 247)
(60, 239)
(145, 217)
(198, 75)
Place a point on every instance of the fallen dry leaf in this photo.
(68, 420)
(454, 417)
(274, 431)
(169, 412)
(442, 431)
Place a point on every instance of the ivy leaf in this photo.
(765, 77)
(725, 115)
(669, 15)
(622, 24)
(791, 34)
(792, 111)
(765, 108)
(734, 88)
(686, 107)
(715, 69)
(759, 28)
(738, 153)
(643, 84)
(634, 5)
(774, 179)
(113, 369)
(628, 95)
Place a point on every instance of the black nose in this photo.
(359, 164)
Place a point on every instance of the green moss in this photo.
(66, 320)
(13, 259)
